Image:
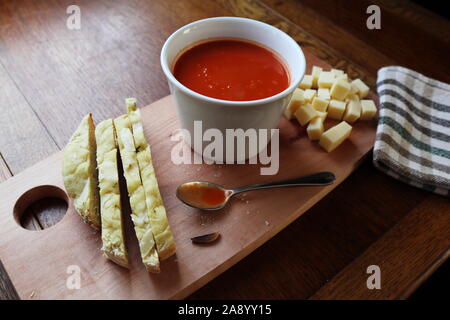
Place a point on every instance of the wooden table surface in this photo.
(51, 76)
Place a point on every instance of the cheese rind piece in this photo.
(79, 171)
(326, 80)
(324, 93)
(320, 104)
(334, 136)
(139, 212)
(113, 237)
(368, 109)
(353, 111)
(309, 95)
(305, 113)
(306, 82)
(361, 87)
(340, 90)
(336, 109)
(165, 243)
(315, 76)
(295, 102)
(315, 128)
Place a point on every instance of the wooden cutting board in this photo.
(42, 263)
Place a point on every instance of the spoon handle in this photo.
(317, 179)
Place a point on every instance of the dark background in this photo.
(436, 286)
(439, 7)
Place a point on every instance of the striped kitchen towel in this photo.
(413, 133)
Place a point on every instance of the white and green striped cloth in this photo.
(413, 134)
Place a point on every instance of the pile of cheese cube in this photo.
(329, 94)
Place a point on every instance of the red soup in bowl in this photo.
(230, 69)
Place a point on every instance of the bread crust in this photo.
(79, 172)
(113, 235)
(165, 242)
(139, 212)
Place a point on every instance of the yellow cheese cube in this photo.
(305, 114)
(322, 115)
(323, 93)
(368, 109)
(334, 136)
(353, 89)
(336, 109)
(316, 71)
(320, 104)
(337, 72)
(352, 97)
(353, 111)
(326, 80)
(306, 82)
(343, 77)
(362, 88)
(295, 102)
(315, 128)
(309, 95)
(340, 90)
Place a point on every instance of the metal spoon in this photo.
(190, 193)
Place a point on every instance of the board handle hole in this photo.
(41, 207)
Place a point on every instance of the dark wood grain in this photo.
(407, 36)
(428, 21)
(408, 246)
(24, 139)
(53, 76)
(5, 173)
(7, 291)
(334, 34)
(62, 79)
(63, 74)
(68, 73)
(313, 249)
(254, 9)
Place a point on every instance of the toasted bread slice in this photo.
(113, 236)
(80, 172)
(139, 212)
(165, 242)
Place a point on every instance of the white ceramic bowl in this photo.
(224, 114)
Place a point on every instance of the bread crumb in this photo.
(267, 223)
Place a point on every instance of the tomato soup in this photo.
(201, 195)
(231, 70)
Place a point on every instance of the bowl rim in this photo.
(186, 90)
